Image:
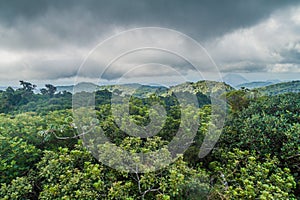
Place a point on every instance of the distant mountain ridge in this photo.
(141, 90)
(82, 86)
(280, 88)
(205, 87)
(257, 84)
(234, 79)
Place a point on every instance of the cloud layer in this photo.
(50, 40)
(273, 45)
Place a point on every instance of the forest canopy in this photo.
(256, 157)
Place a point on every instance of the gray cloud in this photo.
(268, 46)
(48, 39)
(291, 54)
(200, 19)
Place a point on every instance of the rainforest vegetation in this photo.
(256, 157)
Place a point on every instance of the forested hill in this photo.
(279, 88)
(205, 87)
(255, 84)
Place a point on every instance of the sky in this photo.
(52, 41)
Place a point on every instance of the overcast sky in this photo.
(47, 41)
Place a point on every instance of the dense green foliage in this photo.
(25, 100)
(269, 126)
(42, 157)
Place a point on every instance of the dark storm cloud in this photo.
(201, 19)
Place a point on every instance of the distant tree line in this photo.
(25, 99)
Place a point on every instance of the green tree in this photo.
(27, 86)
(237, 99)
(240, 175)
(17, 158)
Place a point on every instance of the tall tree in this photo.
(27, 86)
(51, 89)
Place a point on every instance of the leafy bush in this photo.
(17, 158)
(240, 175)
